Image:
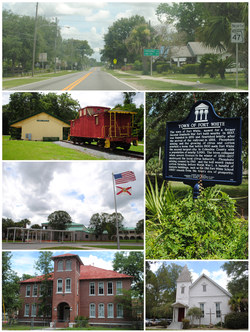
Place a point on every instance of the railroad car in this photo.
(109, 128)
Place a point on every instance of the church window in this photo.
(202, 309)
(218, 313)
(182, 290)
(204, 288)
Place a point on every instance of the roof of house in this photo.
(68, 255)
(197, 48)
(185, 275)
(36, 113)
(211, 280)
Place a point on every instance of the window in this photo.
(60, 266)
(68, 285)
(68, 265)
(204, 287)
(77, 308)
(33, 310)
(59, 286)
(119, 311)
(28, 290)
(100, 310)
(92, 288)
(100, 288)
(41, 290)
(202, 309)
(77, 286)
(182, 290)
(110, 288)
(119, 287)
(110, 310)
(34, 290)
(26, 310)
(217, 310)
(96, 120)
(92, 310)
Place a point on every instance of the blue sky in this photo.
(86, 20)
(210, 268)
(101, 259)
(79, 188)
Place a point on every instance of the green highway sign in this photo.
(151, 52)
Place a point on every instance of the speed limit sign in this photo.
(237, 32)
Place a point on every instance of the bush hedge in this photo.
(186, 323)
(236, 320)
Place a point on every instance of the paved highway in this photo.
(94, 79)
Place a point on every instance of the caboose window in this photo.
(80, 112)
(96, 120)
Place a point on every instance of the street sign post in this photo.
(237, 36)
(203, 146)
(151, 52)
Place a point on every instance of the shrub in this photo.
(236, 320)
(207, 227)
(190, 69)
(81, 321)
(137, 65)
(186, 324)
(162, 67)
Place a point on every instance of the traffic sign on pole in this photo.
(151, 52)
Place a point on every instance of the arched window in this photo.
(60, 266)
(119, 310)
(68, 285)
(68, 265)
(110, 310)
(92, 310)
(59, 285)
(100, 310)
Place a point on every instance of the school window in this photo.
(100, 310)
(92, 288)
(202, 309)
(77, 286)
(68, 285)
(68, 265)
(100, 288)
(119, 287)
(33, 310)
(28, 290)
(110, 288)
(26, 310)
(92, 310)
(59, 286)
(218, 313)
(41, 290)
(60, 266)
(110, 310)
(35, 290)
(119, 311)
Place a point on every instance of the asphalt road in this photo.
(94, 79)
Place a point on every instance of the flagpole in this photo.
(117, 228)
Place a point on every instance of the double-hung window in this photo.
(92, 288)
(26, 310)
(218, 313)
(68, 265)
(100, 288)
(92, 310)
(59, 285)
(110, 310)
(110, 288)
(119, 310)
(119, 287)
(28, 290)
(68, 285)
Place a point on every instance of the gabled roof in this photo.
(197, 48)
(36, 113)
(212, 281)
(37, 279)
(179, 303)
(185, 275)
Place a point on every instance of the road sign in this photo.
(115, 61)
(237, 32)
(151, 52)
(42, 57)
(205, 146)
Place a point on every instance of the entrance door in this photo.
(181, 314)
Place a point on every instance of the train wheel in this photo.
(127, 146)
(112, 146)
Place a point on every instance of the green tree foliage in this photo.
(211, 64)
(114, 46)
(100, 222)
(194, 312)
(44, 266)
(207, 227)
(59, 220)
(131, 263)
(175, 106)
(161, 289)
(10, 286)
(6, 222)
(139, 227)
(238, 273)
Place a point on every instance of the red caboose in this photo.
(109, 128)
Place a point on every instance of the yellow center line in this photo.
(72, 85)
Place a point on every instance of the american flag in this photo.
(124, 177)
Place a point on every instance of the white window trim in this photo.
(90, 310)
(90, 289)
(66, 269)
(112, 310)
(57, 286)
(26, 305)
(27, 289)
(58, 266)
(108, 288)
(66, 291)
(33, 290)
(119, 290)
(118, 304)
(32, 306)
(101, 282)
(101, 304)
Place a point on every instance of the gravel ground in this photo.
(91, 152)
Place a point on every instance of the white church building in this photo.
(205, 294)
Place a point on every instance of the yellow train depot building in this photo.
(40, 126)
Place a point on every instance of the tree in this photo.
(44, 266)
(131, 263)
(211, 64)
(10, 285)
(98, 223)
(194, 312)
(111, 226)
(6, 222)
(238, 271)
(36, 226)
(59, 220)
(22, 223)
(140, 227)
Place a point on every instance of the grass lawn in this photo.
(230, 80)
(32, 150)
(26, 327)
(122, 247)
(9, 83)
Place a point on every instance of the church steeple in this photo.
(185, 275)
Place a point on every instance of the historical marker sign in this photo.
(203, 144)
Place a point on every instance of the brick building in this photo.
(77, 290)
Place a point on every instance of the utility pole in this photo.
(55, 46)
(34, 45)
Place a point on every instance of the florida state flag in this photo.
(124, 191)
